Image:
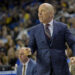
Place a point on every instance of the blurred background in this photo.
(17, 17)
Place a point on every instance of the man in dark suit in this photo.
(48, 40)
(27, 66)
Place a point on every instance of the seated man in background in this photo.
(27, 66)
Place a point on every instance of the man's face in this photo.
(44, 15)
(22, 56)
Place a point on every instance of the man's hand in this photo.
(72, 59)
(27, 51)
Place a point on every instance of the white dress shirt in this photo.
(26, 65)
(51, 27)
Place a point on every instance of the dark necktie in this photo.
(23, 69)
(47, 31)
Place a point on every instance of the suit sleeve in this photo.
(70, 39)
(32, 41)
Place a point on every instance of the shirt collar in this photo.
(51, 22)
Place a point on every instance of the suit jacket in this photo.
(53, 54)
(31, 68)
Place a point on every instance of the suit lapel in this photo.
(55, 30)
(41, 34)
(21, 69)
(28, 68)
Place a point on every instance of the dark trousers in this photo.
(52, 71)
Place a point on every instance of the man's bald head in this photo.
(45, 12)
(47, 7)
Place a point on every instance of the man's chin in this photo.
(41, 21)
